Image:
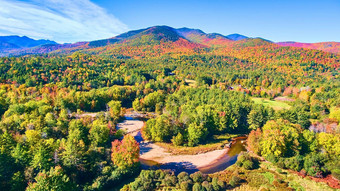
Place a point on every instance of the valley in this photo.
(154, 108)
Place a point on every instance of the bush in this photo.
(281, 163)
(272, 158)
(197, 187)
(185, 186)
(334, 166)
(246, 161)
(215, 184)
(235, 180)
(197, 177)
(183, 176)
(178, 140)
(169, 180)
(207, 186)
(314, 165)
(248, 165)
(336, 173)
(294, 163)
(166, 180)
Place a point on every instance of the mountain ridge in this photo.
(188, 37)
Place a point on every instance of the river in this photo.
(153, 156)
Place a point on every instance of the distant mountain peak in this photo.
(188, 38)
(236, 37)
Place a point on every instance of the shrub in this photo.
(294, 163)
(183, 176)
(334, 166)
(336, 173)
(248, 165)
(215, 184)
(185, 186)
(197, 187)
(246, 161)
(235, 180)
(178, 140)
(314, 165)
(207, 186)
(281, 163)
(272, 158)
(169, 180)
(197, 177)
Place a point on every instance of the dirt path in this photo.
(151, 151)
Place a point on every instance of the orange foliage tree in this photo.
(125, 153)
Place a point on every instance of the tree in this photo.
(50, 120)
(335, 114)
(254, 140)
(99, 133)
(280, 138)
(54, 180)
(42, 156)
(159, 129)
(309, 142)
(257, 117)
(330, 142)
(75, 146)
(196, 133)
(177, 140)
(125, 153)
(314, 164)
(115, 108)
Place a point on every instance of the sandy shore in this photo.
(131, 126)
(151, 151)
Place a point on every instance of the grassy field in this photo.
(218, 142)
(276, 105)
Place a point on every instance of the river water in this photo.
(227, 159)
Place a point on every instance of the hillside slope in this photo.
(333, 47)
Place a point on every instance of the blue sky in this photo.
(78, 20)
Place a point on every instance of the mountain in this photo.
(184, 37)
(236, 37)
(333, 47)
(155, 41)
(198, 36)
(152, 41)
(23, 42)
(16, 43)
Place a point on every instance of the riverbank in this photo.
(155, 154)
(219, 142)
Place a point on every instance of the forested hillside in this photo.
(59, 111)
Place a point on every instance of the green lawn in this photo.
(277, 105)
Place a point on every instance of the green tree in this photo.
(280, 138)
(99, 133)
(196, 134)
(115, 108)
(54, 180)
(177, 140)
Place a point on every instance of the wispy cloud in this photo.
(59, 20)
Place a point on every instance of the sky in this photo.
(85, 20)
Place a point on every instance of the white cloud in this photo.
(59, 20)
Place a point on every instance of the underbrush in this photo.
(267, 177)
(218, 142)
